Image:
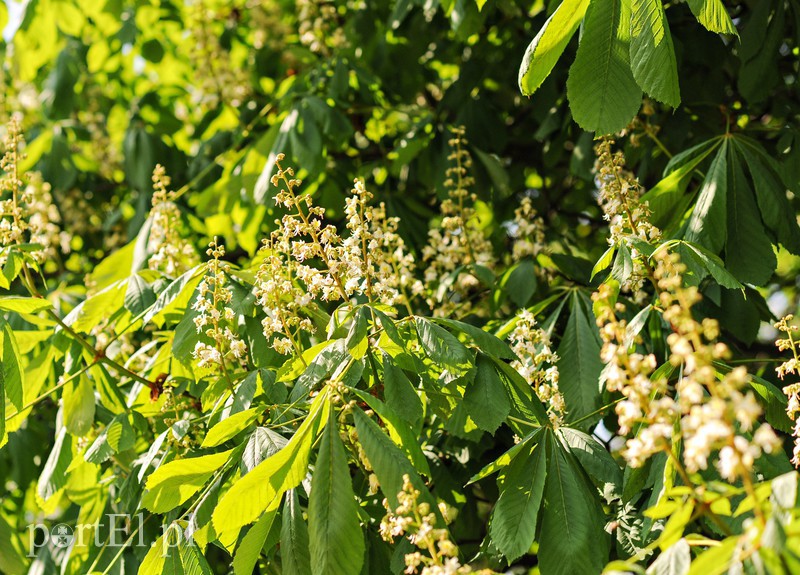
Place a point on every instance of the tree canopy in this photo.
(422, 286)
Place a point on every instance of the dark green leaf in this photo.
(514, 517)
(337, 543)
(485, 397)
(442, 346)
(295, 557)
(603, 95)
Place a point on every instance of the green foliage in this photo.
(438, 335)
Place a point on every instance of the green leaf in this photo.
(230, 427)
(399, 431)
(623, 264)
(12, 376)
(244, 561)
(593, 457)
(603, 95)
(571, 539)
(92, 311)
(713, 16)
(748, 252)
(548, 45)
(12, 551)
(514, 518)
(263, 443)
(714, 265)
(579, 363)
(54, 474)
(337, 543)
(485, 397)
(487, 342)
(503, 461)
(667, 195)
(442, 346)
(331, 358)
(388, 462)
(79, 406)
(258, 491)
(604, 261)
(524, 403)
(356, 341)
(295, 558)
(708, 223)
(175, 297)
(652, 53)
(139, 295)
(716, 560)
(24, 304)
(776, 210)
(400, 393)
(175, 482)
(194, 563)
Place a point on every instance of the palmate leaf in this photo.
(572, 539)
(336, 540)
(258, 491)
(603, 94)
(515, 515)
(652, 53)
(713, 264)
(548, 45)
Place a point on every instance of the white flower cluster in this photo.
(416, 521)
(172, 255)
(792, 366)
(457, 241)
(215, 315)
(627, 216)
(371, 261)
(713, 413)
(527, 231)
(27, 211)
(44, 221)
(280, 297)
(310, 240)
(532, 346)
(377, 262)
